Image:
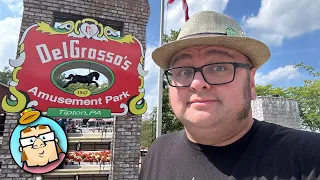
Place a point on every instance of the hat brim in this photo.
(257, 52)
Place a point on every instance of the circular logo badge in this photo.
(38, 147)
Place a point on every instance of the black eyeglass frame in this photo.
(200, 69)
(37, 137)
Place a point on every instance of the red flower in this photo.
(78, 153)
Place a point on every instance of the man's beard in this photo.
(243, 114)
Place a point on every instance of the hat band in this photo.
(201, 34)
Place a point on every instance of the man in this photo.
(210, 69)
(40, 149)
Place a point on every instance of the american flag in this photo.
(185, 8)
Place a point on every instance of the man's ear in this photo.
(252, 84)
(20, 149)
(56, 140)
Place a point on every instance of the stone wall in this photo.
(277, 110)
(127, 15)
(126, 147)
(9, 169)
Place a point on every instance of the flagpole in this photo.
(160, 78)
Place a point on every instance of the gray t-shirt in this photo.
(267, 151)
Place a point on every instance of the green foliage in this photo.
(170, 123)
(310, 69)
(5, 75)
(307, 96)
(148, 128)
(148, 131)
(173, 36)
(269, 89)
(61, 81)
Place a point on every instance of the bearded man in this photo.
(210, 69)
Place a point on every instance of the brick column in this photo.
(126, 147)
(133, 15)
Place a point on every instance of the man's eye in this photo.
(31, 140)
(43, 137)
(219, 68)
(185, 72)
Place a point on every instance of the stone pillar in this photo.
(277, 110)
(126, 147)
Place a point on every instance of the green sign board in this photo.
(79, 113)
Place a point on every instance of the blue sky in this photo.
(290, 28)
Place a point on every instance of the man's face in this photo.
(39, 145)
(205, 106)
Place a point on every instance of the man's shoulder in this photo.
(289, 147)
(289, 135)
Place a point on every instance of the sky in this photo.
(290, 28)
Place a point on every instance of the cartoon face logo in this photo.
(38, 144)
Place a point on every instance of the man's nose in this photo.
(38, 144)
(198, 83)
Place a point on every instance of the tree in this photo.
(5, 75)
(307, 96)
(148, 128)
(173, 36)
(146, 133)
(170, 123)
(61, 80)
(269, 89)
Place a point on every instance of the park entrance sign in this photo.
(45, 72)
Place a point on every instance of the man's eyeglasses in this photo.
(213, 74)
(30, 140)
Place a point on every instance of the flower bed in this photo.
(87, 157)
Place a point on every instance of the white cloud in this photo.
(281, 74)
(15, 6)
(285, 19)
(10, 29)
(151, 80)
(152, 98)
(175, 14)
(243, 19)
(149, 63)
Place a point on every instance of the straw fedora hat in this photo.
(208, 28)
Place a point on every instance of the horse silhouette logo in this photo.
(87, 79)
